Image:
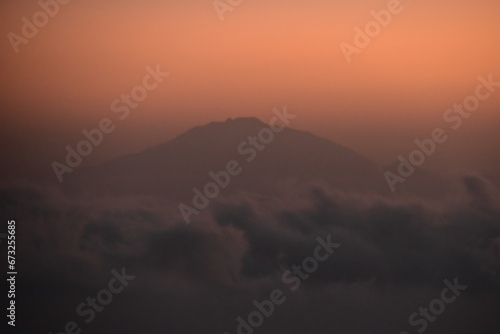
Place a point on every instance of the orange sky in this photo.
(265, 54)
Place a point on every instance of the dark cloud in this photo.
(394, 257)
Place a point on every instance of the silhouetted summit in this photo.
(291, 157)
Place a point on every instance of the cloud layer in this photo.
(394, 257)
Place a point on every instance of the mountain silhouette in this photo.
(292, 157)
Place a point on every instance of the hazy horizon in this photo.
(263, 55)
(250, 167)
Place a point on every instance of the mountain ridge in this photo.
(175, 167)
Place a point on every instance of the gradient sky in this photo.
(265, 54)
(396, 250)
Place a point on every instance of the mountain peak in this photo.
(243, 120)
(174, 167)
(230, 124)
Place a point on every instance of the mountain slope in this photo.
(174, 168)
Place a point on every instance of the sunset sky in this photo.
(265, 54)
(207, 211)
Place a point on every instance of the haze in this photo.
(265, 54)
